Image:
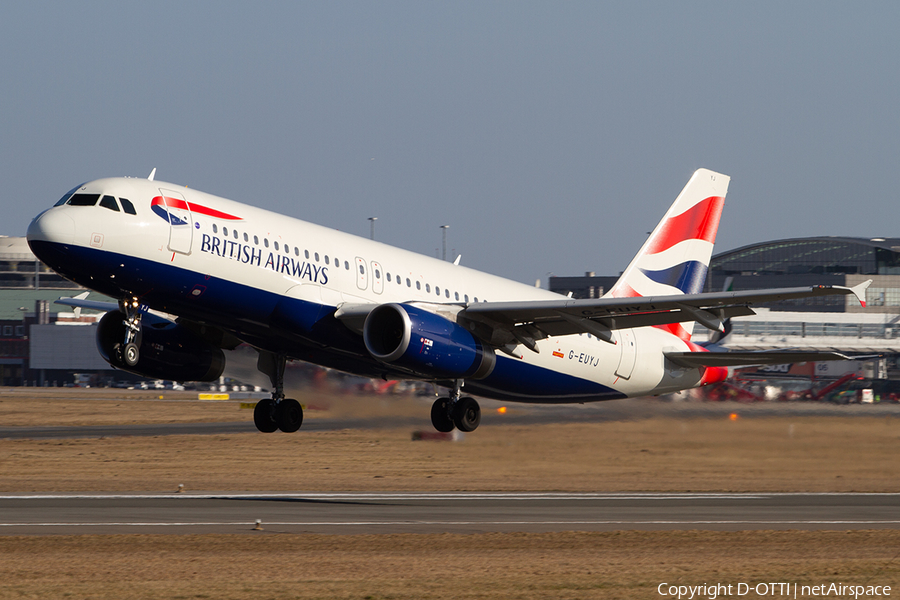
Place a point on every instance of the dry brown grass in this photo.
(814, 454)
(527, 566)
(73, 407)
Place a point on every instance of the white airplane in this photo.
(194, 273)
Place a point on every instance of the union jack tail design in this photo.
(675, 257)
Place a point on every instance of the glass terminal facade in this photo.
(796, 262)
(826, 255)
(811, 261)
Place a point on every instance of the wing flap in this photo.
(568, 324)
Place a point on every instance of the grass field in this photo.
(664, 453)
(528, 566)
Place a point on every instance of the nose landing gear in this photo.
(128, 352)
(131, 355)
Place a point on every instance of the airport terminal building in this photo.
(812, 261)
(825, 323)
(41, 341)
(790, 263)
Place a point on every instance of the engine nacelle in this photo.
(167, 350)
(425, 343)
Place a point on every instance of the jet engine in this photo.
(167, 350)
(425, 344)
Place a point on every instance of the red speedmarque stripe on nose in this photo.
(197, 208)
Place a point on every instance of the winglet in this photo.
(860, 291)
(152, 174)
(81, 296)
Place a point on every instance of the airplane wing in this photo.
(504, 323)
(81, 301)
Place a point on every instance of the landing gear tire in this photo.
(289, 415)
(264, 416)
(466, 414)
(131, 355)
(440, 415)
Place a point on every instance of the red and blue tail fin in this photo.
(675, 258)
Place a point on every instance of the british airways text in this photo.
(279, 263)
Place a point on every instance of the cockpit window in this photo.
(67, 195)
(127, 206)
(83, 200)
(110, 203)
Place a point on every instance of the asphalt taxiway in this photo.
(388, 512)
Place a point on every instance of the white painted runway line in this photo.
(452, 523)
(362, 496)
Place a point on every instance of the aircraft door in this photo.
(362, 277)
(377, 278)
(181, 227)
(629, 352)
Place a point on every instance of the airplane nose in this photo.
(51, 226)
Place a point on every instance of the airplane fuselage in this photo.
(276, 283)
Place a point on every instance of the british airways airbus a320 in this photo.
(195, 274)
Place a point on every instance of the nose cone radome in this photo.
(49, 236)
(51, 226)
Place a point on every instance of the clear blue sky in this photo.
(549, 136)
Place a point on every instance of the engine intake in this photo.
(167, 350)
(425, 343)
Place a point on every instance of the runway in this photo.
(381, 513)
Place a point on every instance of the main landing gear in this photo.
(463, 413)
(276, 412)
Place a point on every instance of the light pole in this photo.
(372, 227)
(444, 229)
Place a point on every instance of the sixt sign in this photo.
(251, 255)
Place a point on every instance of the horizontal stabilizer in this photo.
(747, 359)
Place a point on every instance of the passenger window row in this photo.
(437, 289)
(337, 263)
(286, 248)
